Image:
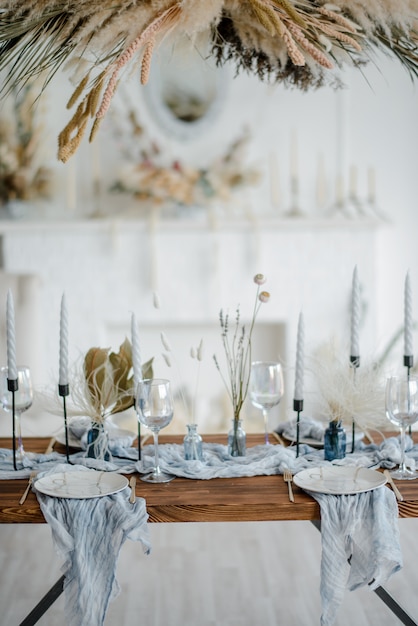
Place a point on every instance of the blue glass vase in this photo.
(193, 444)
(334, 441)
(237, 439)
(98, 443)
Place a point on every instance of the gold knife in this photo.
(278, 438)
(25, 493)
(396, 491)
(50, 446)
(132, 484)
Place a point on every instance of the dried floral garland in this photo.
(295, 41)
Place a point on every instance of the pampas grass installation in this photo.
(346, 393)
(298, 42)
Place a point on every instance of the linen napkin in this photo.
(89, 534)
(360, 544)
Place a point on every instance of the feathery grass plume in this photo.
(291, 11)
(162, 23)
(94, 129)
(315, 53)
(267, 17)
(48, 35)
(295, 54)
(347, 393)
(77, 92)
(146, 61)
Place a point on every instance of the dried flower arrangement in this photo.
(22, 175)
(150, 177)
(237, 348)
(346, 393)
(106, 385)
(298, 42)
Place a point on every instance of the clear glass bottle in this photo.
(334, 441)
(192, 444)
(237, 439)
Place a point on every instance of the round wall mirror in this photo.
(186, 90)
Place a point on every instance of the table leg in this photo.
(385, 596)
(44, 604)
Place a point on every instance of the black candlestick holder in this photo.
(64, 391)
(298, 407)
(408, 361)
(139, 441)
(355, 363)
(13, 386)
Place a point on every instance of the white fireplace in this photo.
(109, 269)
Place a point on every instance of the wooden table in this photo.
(258, 498)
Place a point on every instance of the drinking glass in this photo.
(266, 388)
(23, 400)
(402, 410)
(154, 406)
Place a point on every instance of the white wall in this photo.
(309, 261)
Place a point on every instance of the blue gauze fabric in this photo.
(89, 534)
(363, 529)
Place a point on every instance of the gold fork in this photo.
(25, 493)
(288, 478)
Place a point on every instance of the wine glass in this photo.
(266, 388)
(154, 406)
(23, 399)
(402, 410)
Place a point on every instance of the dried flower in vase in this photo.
(237, 346)
(347, 393)
(108, 378)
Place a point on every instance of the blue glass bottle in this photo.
(193, 444)
(334, 441)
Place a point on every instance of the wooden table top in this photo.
(257, 498)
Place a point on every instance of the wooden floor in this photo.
(248, 574)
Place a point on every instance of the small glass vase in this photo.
(237, 439)
(98, 442)
(334, 441)
(192, 442)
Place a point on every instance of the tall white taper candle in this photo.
(408, 349)
(136, 354)
(300, 359)
(355, 315)
(63, 362)
(11, 338)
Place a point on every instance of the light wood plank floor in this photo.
(248, 574)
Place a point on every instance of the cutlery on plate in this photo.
(288, 478)
(50, 446)
(25, 493)
(132, 484)
(396, 491)
(278, 438)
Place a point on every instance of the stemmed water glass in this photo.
(23, 400)
(402, 410)
(266, 388)
(155, 408)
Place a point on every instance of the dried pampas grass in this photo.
(298, 42)
(347, 393)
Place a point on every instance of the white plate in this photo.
(339, 480)
(317, 443)
(74, 442)
(81, 484)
